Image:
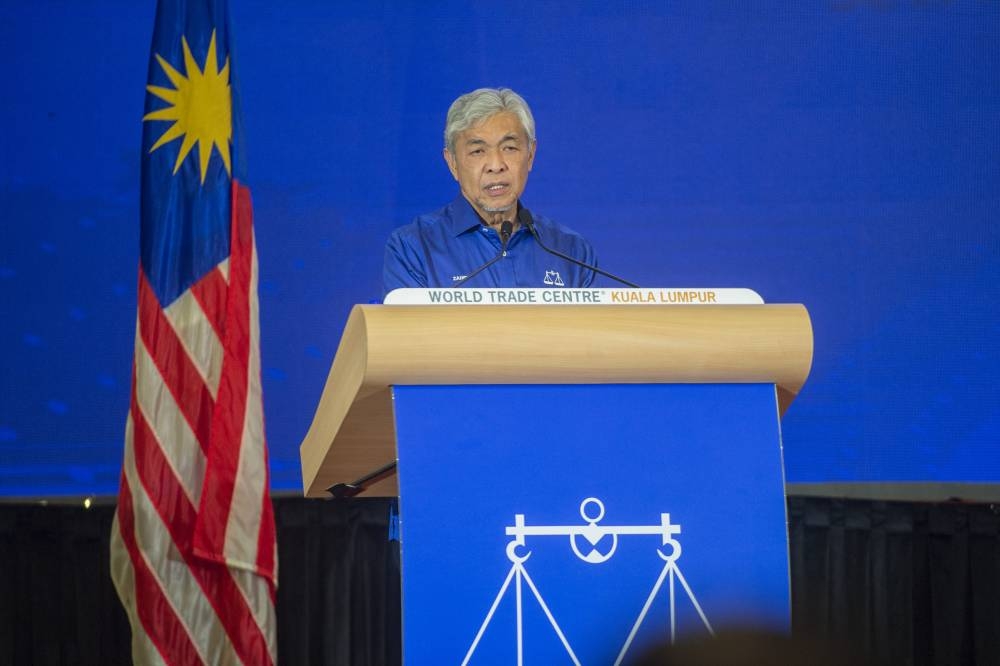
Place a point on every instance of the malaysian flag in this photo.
(193, 545)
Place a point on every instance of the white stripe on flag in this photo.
(143, 650)
(198, 338)
(173, 576)
(177, 441)
(256, 590)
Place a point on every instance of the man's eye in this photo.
(510, 149)
(477, 151)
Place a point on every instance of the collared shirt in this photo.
(440, 248)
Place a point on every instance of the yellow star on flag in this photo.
(200, 106)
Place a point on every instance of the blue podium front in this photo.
(578, 524)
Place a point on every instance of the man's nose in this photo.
(495, 162)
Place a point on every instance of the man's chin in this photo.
(496, 209)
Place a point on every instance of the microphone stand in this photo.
(525, 217)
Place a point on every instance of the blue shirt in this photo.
(440, 248)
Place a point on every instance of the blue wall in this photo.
(841, 154)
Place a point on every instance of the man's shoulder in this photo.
(435, 218)
(436, 221)
(426, 223)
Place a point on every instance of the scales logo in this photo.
(595, 544)
(554, 279)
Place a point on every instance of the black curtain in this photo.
(338, 589)
(912, 583)
(57, 602)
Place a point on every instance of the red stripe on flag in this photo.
(162, 486)
(266, 546)
(158, 618)
(266, 550)
(231, 406)
(179, 516)
(210, 292)
(179, 373)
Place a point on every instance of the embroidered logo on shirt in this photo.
(553, 278)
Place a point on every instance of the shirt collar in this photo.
(464, 217)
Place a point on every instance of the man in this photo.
(489, 148)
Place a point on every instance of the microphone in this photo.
(506, 229)
(524, 217)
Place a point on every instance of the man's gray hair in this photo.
(473, 108)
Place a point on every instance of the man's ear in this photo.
(450, 159)
(531, 154)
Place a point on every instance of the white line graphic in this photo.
(587, 536)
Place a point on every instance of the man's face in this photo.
(491, 164)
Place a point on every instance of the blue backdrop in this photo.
(840, 153)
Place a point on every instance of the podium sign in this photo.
(580, 474)
(576, 524)
(578, 296)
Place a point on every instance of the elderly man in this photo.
(489, 148)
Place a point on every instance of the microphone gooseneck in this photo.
(524, 216)
(506, 230)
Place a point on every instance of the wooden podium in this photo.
(637, 433)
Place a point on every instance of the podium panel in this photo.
(579, 523)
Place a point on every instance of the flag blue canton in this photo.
(185, 222)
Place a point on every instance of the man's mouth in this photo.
(496, 189)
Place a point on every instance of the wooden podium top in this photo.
(353, 431)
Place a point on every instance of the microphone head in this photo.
(506, 229)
